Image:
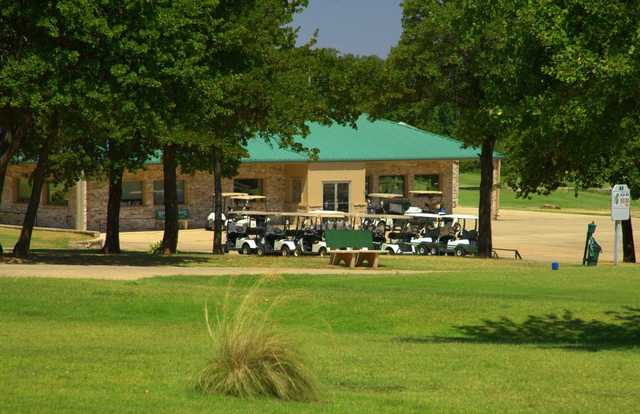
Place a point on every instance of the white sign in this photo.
(620, 202)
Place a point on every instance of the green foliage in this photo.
(252, 359)
(155, 248)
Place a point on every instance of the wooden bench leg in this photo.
(375, 261)
(352, 260)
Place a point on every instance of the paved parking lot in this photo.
(539, 236)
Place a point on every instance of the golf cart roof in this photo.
(227, 195)
(425, 215)
(323, 213)
(384, 216)
(385, 195)
(263, 213)
(247, 197)
(425, 192)
(460, 216)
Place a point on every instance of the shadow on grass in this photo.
(95, 257)
(564, 331)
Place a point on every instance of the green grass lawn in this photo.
(41, 239)
(483, 337)
(564, 198)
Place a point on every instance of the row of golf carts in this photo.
(295, 234)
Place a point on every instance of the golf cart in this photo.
(238, 201)
(310, 228)
(431, 240)
(387, 203)
(211, 218)
(465, 241)
(391, 233)
(260, 233)
(429, 201)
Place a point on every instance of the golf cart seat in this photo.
(471, 235)
(398, 236)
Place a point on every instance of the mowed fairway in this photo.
(379, 344)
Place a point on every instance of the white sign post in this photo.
(620, 208)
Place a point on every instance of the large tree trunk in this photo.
(485, 243)
(170, 239)
(10, 141)
(628, 245)
(217, 203)
(112, 237)
(22, 246)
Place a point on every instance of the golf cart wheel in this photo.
(322, 252)
(297, 252)
(460, 252)
(422, 251)
(285, 251)
(260, 251)
(390, 251)
(245, 249)
(434, 251)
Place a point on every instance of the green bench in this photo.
(353, 247)
(183, 218)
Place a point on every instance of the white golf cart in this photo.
(260, 233)
(232, 202)
(428, 238)
(310, 228)
(387, 204)
(465, 235)
(428, 201)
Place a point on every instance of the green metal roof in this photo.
(379, 140)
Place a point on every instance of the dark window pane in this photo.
(296, 190)
(391, 184)
(57, 194)
(252, 186)
(329, 196)
(426, 183)
(158, 192)
(132, 193)
(24, 190)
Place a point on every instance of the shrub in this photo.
(155, 249)
(252, 358)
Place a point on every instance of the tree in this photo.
(582, 125)
(464, 61)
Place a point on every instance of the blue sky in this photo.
(361, 27)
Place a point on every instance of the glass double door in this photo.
(335, 196)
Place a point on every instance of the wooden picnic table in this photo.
(355, 258)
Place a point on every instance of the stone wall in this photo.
(12, 211)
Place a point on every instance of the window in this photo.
(426, 183)
(368, 184)
(158, 192)
(392, 184)
(296, 190)
(132, 193)
(24, 190)
(251, 186)
(57, 194)
(335, 197)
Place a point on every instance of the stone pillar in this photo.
(81, 205)
(495, 192)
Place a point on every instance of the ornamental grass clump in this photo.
(252, 358)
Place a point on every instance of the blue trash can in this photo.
(555, 265)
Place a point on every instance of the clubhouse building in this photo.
(377, 157)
